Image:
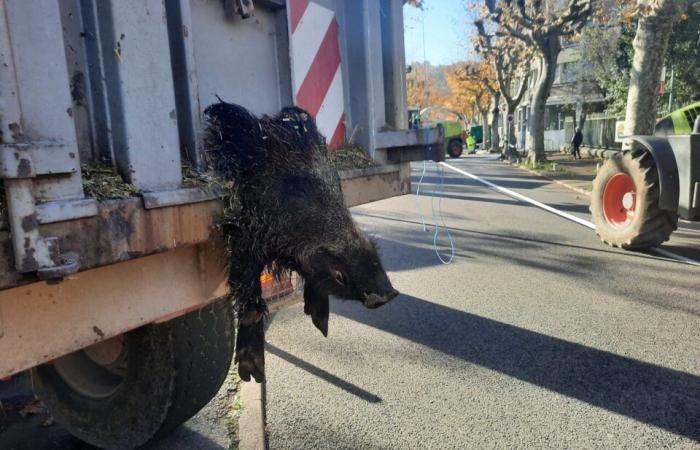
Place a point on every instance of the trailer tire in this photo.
(625, 203)
(169, 373)
(455, 148)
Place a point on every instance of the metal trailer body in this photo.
(119, 86)
(123, 83)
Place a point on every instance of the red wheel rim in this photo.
(619, 200)
(455, 149)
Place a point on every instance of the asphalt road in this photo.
(536, 336)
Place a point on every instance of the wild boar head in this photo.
(352, 270)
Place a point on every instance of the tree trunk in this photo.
(485, 129)
(650, 44)
(511, 140)
(543, 86)
(495, 119)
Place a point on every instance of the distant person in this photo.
(471, 143)
(576, 144)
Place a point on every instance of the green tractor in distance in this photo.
(639, 194)
(456, 131)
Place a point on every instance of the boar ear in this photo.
(316, 306)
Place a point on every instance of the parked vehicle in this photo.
(639, 194)
(455, 130)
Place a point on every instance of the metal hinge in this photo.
(20, 163)
(243, 8)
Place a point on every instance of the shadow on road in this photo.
(651, 394)
(324, 375)
(403, 248)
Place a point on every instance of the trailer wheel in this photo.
(124, 391)
(455, 148)
(625, 203)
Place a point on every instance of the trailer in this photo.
(111, 278)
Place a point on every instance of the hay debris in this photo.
(350, 156)
(102, 182)
(192, 178)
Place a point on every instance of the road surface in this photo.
(537, 335)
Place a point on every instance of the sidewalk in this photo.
(576, 174)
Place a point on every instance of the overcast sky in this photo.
(447, 32)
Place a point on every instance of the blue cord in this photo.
(441, 190)
(420, 212)
(441, 223)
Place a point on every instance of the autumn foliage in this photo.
(464, 87)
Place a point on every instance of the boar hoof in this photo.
(250, 363)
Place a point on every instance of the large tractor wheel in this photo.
(455, 148)
(625, 203)
(123, 392)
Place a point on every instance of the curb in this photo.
(251, 423)
(252, 434)
(566, 185)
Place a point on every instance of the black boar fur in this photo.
(286, 211)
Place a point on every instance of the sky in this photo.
(447, 32)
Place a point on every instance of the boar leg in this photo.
(244, 280)
(316, 306)
(250, 350)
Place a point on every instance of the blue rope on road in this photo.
(449, 260)
(438, 224)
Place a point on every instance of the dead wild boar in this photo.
(286, 211)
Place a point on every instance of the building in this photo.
(573, 92)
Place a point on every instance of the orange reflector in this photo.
(266, 279)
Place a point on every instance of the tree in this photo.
(683, 59)
(473, 84)
(462, 92)
(654, 27)
(540, 25)
(507, 56)
(608, 49)
(422, 88)
(483, 76)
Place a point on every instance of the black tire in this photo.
(169, 373)
(650, 226)
(455, 148)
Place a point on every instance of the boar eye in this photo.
(339, 277)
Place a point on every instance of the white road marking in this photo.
(571, 217)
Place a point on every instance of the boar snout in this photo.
(373, 301)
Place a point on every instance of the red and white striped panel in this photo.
(317, 77)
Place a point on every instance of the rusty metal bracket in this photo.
(37, 138)
(34, 253)
(30, 159)
(69, 264)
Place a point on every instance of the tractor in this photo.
(456, 131)
(640, 193)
